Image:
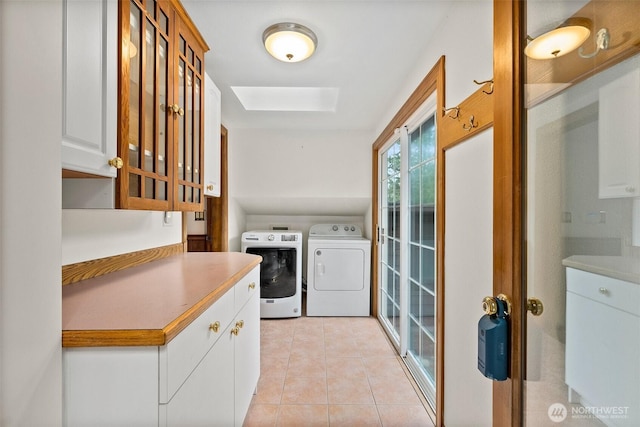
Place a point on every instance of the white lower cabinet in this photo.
(603, 346)
(205, 376)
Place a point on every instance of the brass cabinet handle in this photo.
(252, 285)
(215, 327)
(210, 187)
(175, 108)
(235, 331)
(116, 162)
(240, 323)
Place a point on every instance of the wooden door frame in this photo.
(433, 81)
(508, 60)
(218, 207)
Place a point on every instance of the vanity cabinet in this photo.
(619, 137)
(603, 345)
(161, 134)
(89, 87)
(205, 375)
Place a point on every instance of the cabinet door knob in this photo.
(252, 285)
(215, 327)
(235, 331)
(176, 109)
(630, 189)
(116, 162)
(604, 291)
(210, 187)
(240, 323)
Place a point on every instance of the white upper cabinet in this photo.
(89, 128)
(619, 137)
(212, 123)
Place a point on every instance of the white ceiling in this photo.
(365, 50)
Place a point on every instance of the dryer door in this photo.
(339, 269)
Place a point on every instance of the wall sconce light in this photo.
(289, 42)
(560, 41)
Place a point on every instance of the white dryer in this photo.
(338, 271)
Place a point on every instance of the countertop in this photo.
(617, 267)
(151, 303)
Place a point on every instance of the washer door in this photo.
(339, 269)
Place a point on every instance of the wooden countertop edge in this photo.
(151, 337)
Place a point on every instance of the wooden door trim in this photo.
(508, 60)
(217, 207)
(433, 81)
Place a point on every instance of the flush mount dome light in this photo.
(289, 42)
(560, 41)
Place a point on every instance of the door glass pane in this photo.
(421, 345)
(583, 222)
(149, 101)
(162, 102)
(135, 70)
(181, 134)
(188, 117)
(390, 249)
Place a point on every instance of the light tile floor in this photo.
(318, 371)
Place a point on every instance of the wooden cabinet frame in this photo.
(179, 26)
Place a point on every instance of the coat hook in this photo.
(446, 110)
(602, 43)
(472, 124)
(485, 82)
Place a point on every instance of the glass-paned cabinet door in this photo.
(190, 97)
(146, 133)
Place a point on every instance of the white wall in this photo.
(97, 233)
(30, 132)
(297, 173)
(468, 278)
(465, 37)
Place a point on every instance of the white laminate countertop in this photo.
(617, 267)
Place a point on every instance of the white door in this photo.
(339, 269)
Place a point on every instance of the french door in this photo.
(407, 185)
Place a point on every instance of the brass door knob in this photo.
(240, 323)
(116, 162)
(252, 285)
(235, 331)
(210, 187)
(215, 327)
(534, 305)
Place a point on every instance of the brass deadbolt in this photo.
(489, 306)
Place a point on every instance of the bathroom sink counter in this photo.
(617, 267)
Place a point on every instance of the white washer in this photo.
(338, 271)
(280, 270)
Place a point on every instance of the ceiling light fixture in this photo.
(289, 42)
(560, 41)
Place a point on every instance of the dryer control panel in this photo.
(335, 230)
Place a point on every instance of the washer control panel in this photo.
(272, 236)
(335, 230)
